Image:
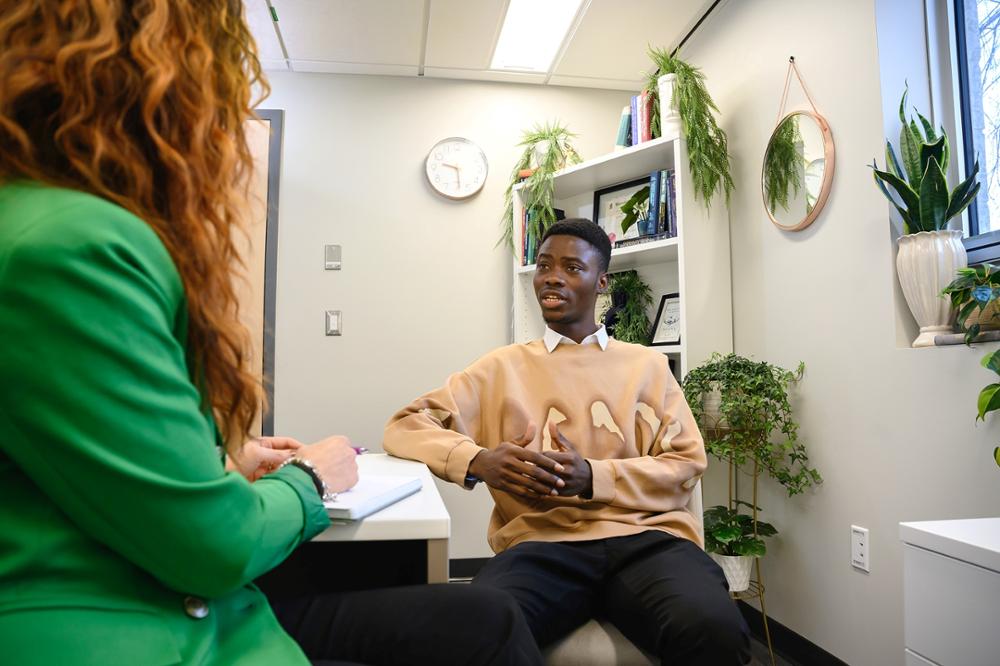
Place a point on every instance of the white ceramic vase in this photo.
(737, 570)
(711, 406)
(670, 119)
(926, 263)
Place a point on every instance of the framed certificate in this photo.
(667, 327)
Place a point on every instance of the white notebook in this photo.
(373, 493)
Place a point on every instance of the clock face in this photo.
(456, 168)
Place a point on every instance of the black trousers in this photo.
(425, 624)
(662, 592)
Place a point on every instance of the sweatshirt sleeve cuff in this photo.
(314, 513)
(602, 480)
(457, 466)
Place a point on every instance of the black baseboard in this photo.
(467, 567)
(792, 647)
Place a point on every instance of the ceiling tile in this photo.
(483, 75)
(262, 27)
(274, 65)
(327, 67)
(592, 82)
(610, 41)
(374, 32)
(461, 34)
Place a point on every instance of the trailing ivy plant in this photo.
(782, 165)
(707, 144)
(918, 180)
(538, 190)
(729, 532)
(757, 416)
(632, 324)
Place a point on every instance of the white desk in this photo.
(420, 517)
(951, 588)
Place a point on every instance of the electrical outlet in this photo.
(859, 548)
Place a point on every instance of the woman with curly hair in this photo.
(124, 369)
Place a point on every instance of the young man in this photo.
(590, 452)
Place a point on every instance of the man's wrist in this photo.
(588, 490)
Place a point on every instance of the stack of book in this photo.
(635, 124)
(662, 209)
(529, 242)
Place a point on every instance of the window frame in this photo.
(981, 247)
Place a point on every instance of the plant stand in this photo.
(756, 589)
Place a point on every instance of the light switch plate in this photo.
(334, 322)
(331, 257)
(859, 548)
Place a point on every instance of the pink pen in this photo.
(360, 450)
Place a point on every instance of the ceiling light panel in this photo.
(532, 33)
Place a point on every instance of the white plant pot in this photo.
(670, 119)
(737, 570)
(926, 263)
(711, 405)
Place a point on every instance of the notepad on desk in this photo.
(372, 493)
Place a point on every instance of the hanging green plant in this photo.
(754, 419)
(707, 144)
(783, 165)
(632, 299)
(547, 149)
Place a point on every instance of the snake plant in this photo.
(918, 179)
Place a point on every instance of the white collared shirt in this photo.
(553, 339)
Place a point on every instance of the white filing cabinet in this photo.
(951, 587)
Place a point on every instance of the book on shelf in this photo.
(648, 238)
(661, 203)
(646, 114)
(634, 110)
(672, 202)
(622, 140)
(654, 198)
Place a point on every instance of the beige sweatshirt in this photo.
(621, 408)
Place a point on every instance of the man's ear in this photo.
(602, 284)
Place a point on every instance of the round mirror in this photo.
(798, 170)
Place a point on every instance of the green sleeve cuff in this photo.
(316, 518)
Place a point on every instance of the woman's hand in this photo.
(262, 455)
(335, 462)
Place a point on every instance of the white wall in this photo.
(423, 290)
(891, 429)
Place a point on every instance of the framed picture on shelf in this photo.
(667, 326)
(608, 208)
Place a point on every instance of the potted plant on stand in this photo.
(929, 252)
(734, 539)
(547, 149)
(742, 409)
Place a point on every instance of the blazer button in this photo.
(195, 607)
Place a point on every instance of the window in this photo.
(977, 41)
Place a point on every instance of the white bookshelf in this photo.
(695, 263)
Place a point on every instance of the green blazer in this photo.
(122, 538)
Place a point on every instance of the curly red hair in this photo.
(143, 103)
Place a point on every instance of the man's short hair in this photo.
(588, 231)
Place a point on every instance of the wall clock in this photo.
(456, 168)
